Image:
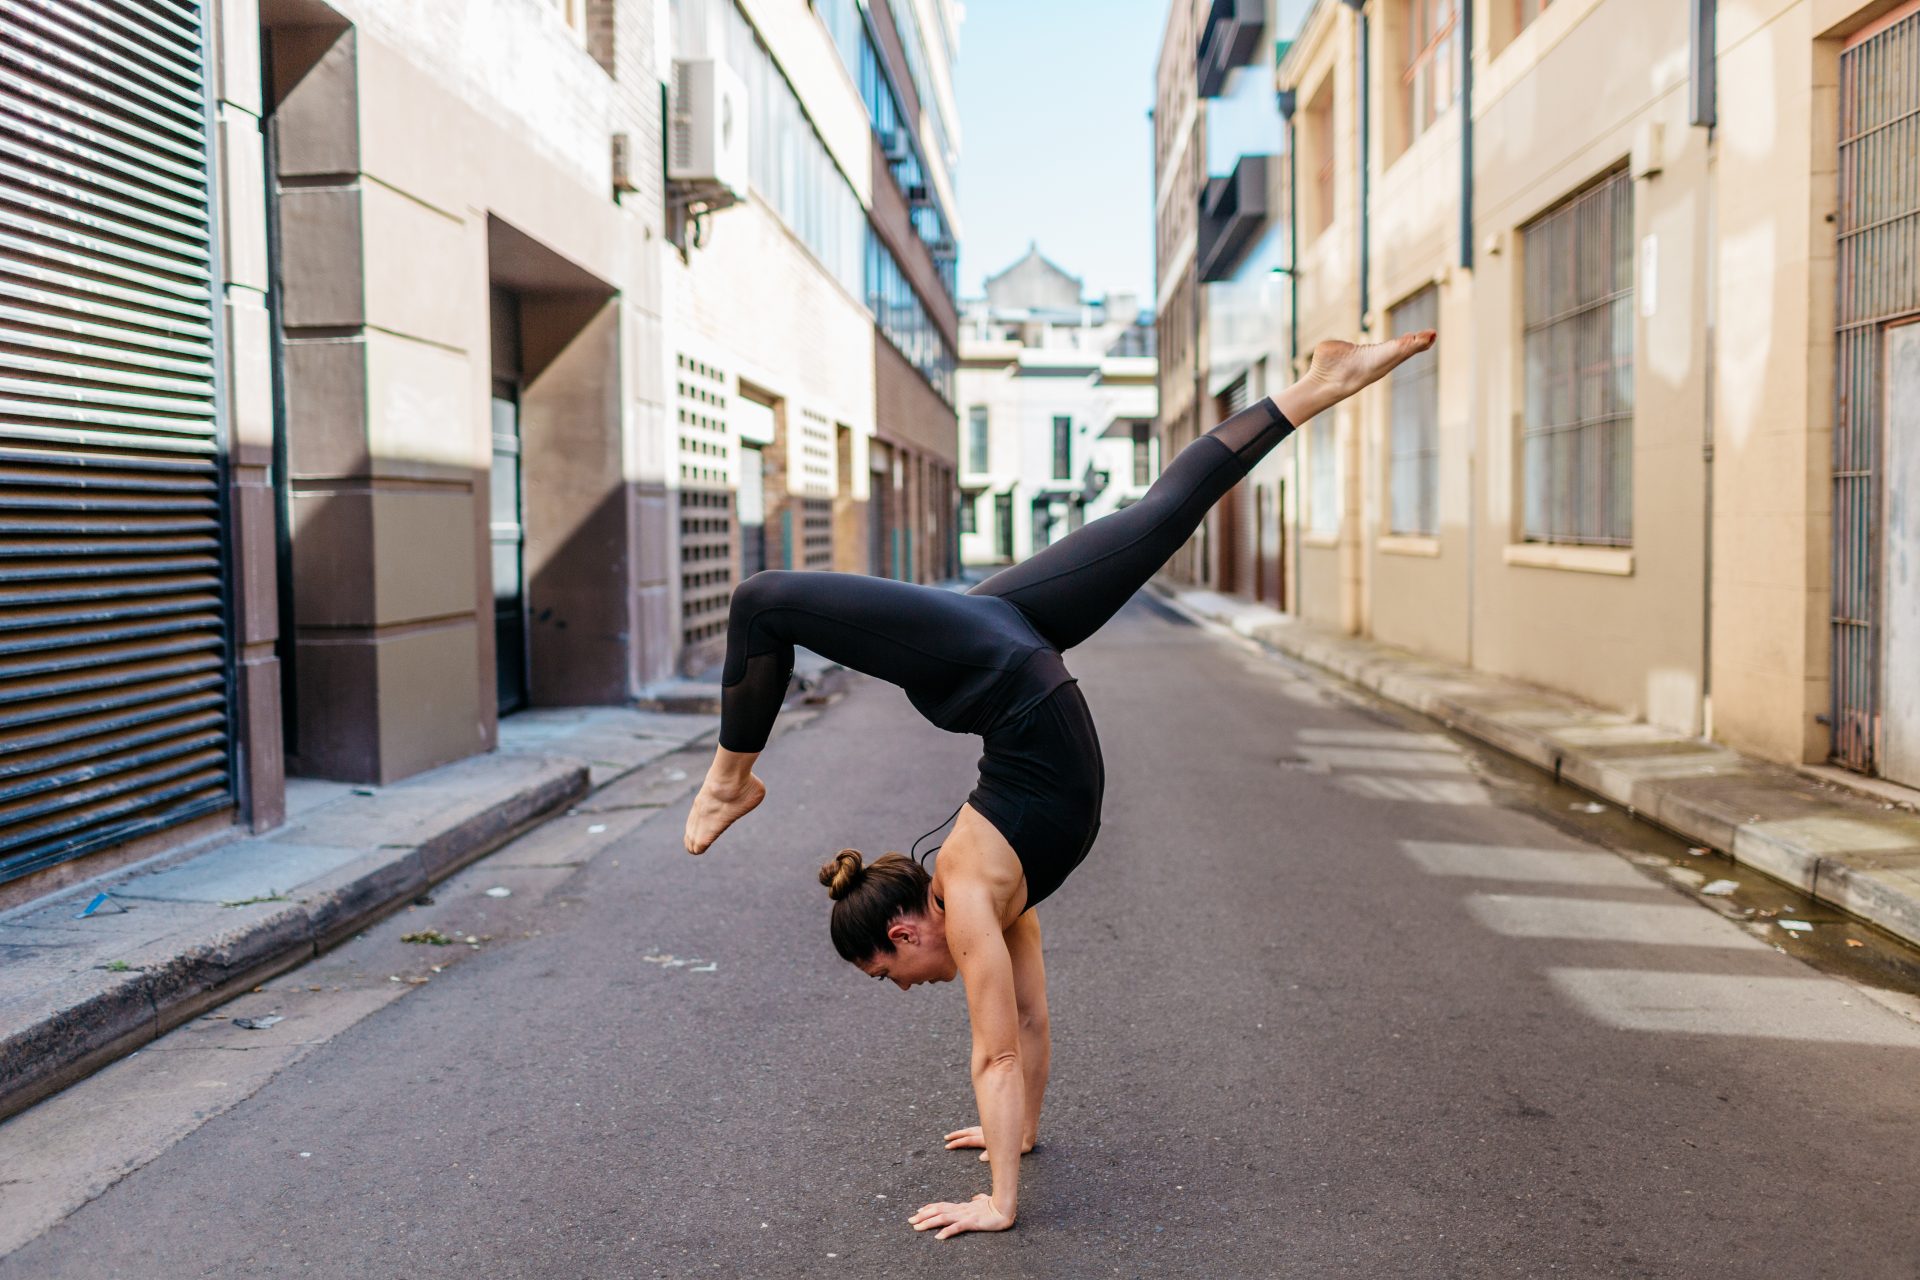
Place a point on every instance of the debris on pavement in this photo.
(1699, 850)
(100, 900)
(258, 1024)
(1795, 926)
(1589, 807)
(1855, 942)
(499, 891)
(429, 937)
(1721, 888)
(596, 828)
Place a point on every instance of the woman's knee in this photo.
(766, 589)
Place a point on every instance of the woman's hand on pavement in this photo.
(977, 1214)
(971, 1137)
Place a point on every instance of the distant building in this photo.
(1057, 404)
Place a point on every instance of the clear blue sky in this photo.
(1055, 142)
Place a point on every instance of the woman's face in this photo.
(919, 954)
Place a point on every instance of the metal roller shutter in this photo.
(114, 662)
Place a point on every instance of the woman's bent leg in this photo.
(904, 634)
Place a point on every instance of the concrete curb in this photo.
(1842, 850)
(77, 1026)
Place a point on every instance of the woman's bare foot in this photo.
(1339, 369)
(718, 806)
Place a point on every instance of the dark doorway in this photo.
(506, 527)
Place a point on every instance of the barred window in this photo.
(1432, 61)
(1323, 476)
(1414, 412)
(976, 438)
(1578, 429)
(1062, 447)
(1142, 454)
(966, 513)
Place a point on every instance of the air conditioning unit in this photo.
(895, 146)
(708, 146)
(945, 249)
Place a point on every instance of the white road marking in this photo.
(1417, 790)
(1379, 758)
(1376, 738)
(1814, 1009)
(1676, 924)
(1542, 866)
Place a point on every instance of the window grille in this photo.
(1430, 80)
(1577, 435)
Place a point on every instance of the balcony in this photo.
(1230, 39)
(1232, 211)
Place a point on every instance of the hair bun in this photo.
(843, 874)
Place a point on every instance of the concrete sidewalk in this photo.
(1846, 849)
(169, 938)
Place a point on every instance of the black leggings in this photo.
(927, 640)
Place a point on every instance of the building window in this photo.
(966, 513)
(1323, 477)
(1431, 77)
(1525, 11)
(1062, 447)
(1578, 430)
(1319, 168)
(1142, 454)
(977, 438)
(1003, 525)
(1414, 396)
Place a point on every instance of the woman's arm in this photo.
(1030, 998)
(980, 952)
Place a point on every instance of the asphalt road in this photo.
(1328, 1001)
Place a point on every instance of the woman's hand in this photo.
(978, 1214)
(971, 1137)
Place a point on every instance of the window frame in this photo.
(1413, 441)
(1578, 343)
(1428, 62)
(1063, 446)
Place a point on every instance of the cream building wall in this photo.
(1717, 618)
(1620, 626)
(416, 133)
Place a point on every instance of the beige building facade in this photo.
(1655, 459)
(384, 379)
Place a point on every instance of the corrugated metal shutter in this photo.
(114, 663)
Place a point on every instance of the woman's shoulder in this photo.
(976, 854)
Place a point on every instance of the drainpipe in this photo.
(1466, 264)
(1466, 135)
(1365, 148)
(1288, 103)
(1703, 112)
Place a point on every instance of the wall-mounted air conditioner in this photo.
(708, 142)
(894, 144)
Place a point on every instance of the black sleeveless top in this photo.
(1041, 775)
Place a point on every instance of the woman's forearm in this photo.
(1000, 1090)
(1036, 1052)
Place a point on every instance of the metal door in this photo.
(1879, 285)
(115, 651)
(1900, 563)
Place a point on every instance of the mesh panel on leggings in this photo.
(749, 704)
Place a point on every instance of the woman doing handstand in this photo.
(988, 663)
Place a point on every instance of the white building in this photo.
(1057, 398)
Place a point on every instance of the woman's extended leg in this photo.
(920, 638)
(1071, 588)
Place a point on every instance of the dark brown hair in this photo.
(867, 900)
